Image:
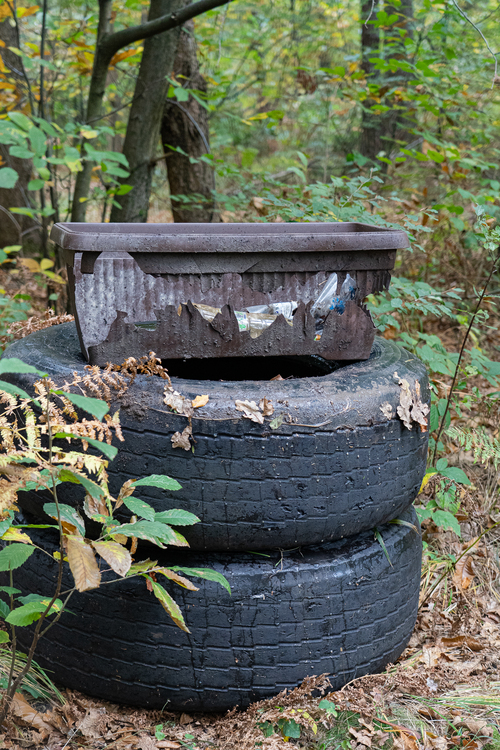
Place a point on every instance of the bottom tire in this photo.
(340, 608)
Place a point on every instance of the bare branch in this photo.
(493, 54)
(114, 42)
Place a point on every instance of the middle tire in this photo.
(335, 466)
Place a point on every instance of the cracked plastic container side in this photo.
(134, 287)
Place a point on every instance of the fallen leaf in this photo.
(199, 401)
(93, 725)
(250, 411)
(181, 439)
(386, 410)
(168, 744)
(146, 742)
(479, 726)
(431, 655)
(463, 640)
(276, 422)
(362, 737)
(185, 719)
(177, 402)
(464, 573)
(277, 377)
(266, 407)
(411, 408)
(22, 710)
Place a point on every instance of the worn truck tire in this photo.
(335, 466)
(339, 608)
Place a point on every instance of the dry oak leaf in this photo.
(362, 737)
(386, 410)
(178, 403)
(29, 715)
(266, 407)
(464, 573)
(181, 439)
(199, 401)
(250, 411)
(167, 744)
(411, 408)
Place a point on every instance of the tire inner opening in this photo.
(251, 368)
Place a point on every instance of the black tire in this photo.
(339, 608)
(338, 468)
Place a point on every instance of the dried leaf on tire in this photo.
(411, 408)
(82, 562)
(117, 557)
(177, 402)
(276, 423)
(386, 410)
(250, 411)
(199, 401)
(464, 573)
(181, 439)
(266, 407)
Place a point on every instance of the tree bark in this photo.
(185, 125)
(107, 45)
(370, 142)
(380, 131)
(143, 127)
(13, 228)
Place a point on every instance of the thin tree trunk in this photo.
(380, 131)
(370, 142)
(108, 44)
(143, 127)
(14, 229)
(185, 125)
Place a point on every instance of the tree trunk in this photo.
(185, 125)
(14, 227)
(370, 142)
(380, 131)
(143, 127)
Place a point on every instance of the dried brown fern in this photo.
(21, 328)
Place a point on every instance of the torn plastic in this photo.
(254, 322)
(329, 300)
(256, 318)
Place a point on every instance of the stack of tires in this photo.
(298, 515)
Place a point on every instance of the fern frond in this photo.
(484, 447)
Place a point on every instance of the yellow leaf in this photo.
(25, 12)
(31, 264)
(123, 56)
(45, 263)
(87, 133)
(177, 579)
(199, 401)
(16, 535)
(117, 557)
(426, 479)
(82, 562)
(169, 605)
(260, 116)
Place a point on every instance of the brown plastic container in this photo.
(133, 286)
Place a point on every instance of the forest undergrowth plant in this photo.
(37, 452)
(400, 313)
